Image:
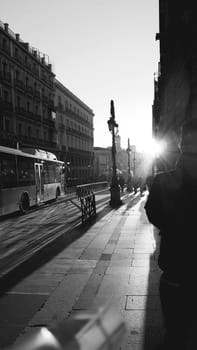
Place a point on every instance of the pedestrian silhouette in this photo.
(171, 206)
(121, 183)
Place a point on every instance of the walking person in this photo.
(121, 183)
(171, 206)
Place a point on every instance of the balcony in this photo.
(28, 66)
(38, 118)
(18, 58)
(52, 106)
(49, 122)
(29, 90)
(61, 127)
(6, 106)
(60, 107)
(19, 84)
(20, 111)
(5, 77)
(37, 94)
(5, 48)
(45, 99)
(29, 115)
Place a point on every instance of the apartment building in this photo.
(175, 98)
(27, 114)
(74, 124)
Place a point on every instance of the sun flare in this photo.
(151, 147)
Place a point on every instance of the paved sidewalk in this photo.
(115, 261)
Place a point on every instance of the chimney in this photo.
(6, 26)
(26, 45)
(17, 37)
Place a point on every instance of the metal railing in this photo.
(86, 195)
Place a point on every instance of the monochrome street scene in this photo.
(98, 175)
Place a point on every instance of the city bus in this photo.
(28, 177)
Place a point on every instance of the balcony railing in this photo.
(6, 106)
(52, 106)
(45, 99)
(19, 84)
(5, 48)
(5, 76)
(49, 122)
(20, 110)
(37, 93)
(29, 90)
(61, 127)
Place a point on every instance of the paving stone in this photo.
(60, 302)
(143, 302)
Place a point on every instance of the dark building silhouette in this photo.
(175, 98)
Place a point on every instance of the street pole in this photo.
(129, 185)
(115, 189)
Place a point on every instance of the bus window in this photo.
(58, 173)
(45, 173)
(26, 170)
(8, 171)
(51, 172)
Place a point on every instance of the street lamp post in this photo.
(115, 189)
(129, 185)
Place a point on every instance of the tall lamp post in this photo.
(115, 189)
(129, 185)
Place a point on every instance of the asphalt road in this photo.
(22, 236)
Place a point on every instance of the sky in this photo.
(101, 50)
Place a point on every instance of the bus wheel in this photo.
(24, 203)
(57, 193)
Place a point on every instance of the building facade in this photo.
(26, 94)
(175, 97)
(102, 164)
(75, 135)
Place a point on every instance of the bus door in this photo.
(39, 182)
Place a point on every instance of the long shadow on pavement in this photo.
(153, 323)
(47, 253)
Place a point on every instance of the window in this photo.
(18, 101)
(28, 106)
(5, 95)
(7, 125)
(4, 43)
(17, 75)
(19, 129)
(37, 134)
(27, 81)
(29, 131)
(16, 51)
(4, 66)
(51, 172)
(8, 173)
(25, 170)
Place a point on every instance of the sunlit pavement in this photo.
(114, 260)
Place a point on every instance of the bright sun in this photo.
(151, 147)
